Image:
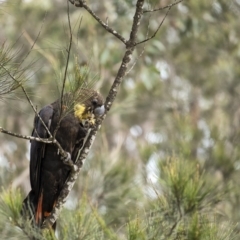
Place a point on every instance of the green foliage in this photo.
(79, 76)
(80, 223)
(184, 207)
(10, 72)
(136, 230)
(14, 226)
(189, 185)
(10, 204)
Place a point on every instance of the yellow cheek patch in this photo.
(79, 112)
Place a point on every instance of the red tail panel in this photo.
(38, 216)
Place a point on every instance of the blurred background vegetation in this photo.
(165, 164)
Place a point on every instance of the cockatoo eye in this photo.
(94, 102)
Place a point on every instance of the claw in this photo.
(66, 158)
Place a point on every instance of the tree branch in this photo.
(130, 46)
(82, 4)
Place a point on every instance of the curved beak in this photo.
(99, 111)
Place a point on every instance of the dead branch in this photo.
(130, 46)
(82, 4)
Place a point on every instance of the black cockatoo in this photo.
(48, 173)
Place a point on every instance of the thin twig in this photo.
(142, 52)
(68, 56)
(159, 26)
(135, 62)
(65, 73)
(32, 46)
(81, 3)
(45, 54)
(162, 8)
(31, 138)
(174, 226)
